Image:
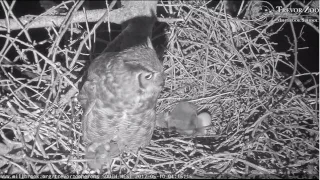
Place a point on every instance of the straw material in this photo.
(262, 126)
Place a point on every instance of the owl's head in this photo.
(145, 67)
(137, 75)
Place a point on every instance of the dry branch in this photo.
(224, 65)
(117, 16)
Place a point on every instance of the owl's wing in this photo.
(88, 93)
(96, 96)
(94, 75)
(87, 100)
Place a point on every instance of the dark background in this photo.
(308, 57)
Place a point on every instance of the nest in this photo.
(261, 125)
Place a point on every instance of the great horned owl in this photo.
(120, 93)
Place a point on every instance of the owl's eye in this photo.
(148, 76)
(145, 79)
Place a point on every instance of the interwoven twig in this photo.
(224, 65)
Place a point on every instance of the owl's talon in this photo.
(127, 167)
(137, 161)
